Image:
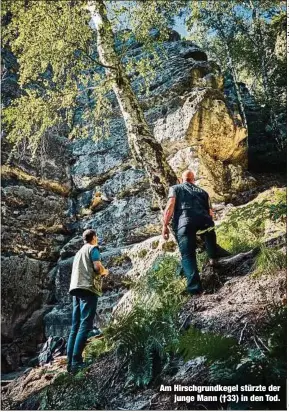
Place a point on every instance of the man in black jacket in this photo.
(190, 207)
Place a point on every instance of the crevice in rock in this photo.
(196, 55)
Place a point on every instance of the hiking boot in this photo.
(221, 252)
(197, 294)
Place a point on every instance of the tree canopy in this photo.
(59, 68)
(55, 46)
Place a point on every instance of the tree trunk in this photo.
(144, 147)
(239, 97)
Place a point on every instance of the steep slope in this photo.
(235, 331)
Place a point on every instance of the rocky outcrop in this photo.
(75, 184)
(34, 229)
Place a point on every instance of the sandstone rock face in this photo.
(32, 221)
(49, 201)
(34, 229)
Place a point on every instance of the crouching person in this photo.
(85, 286)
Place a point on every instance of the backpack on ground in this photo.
(54, 346)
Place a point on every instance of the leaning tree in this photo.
(67, 48)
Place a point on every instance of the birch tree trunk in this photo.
(144, 147)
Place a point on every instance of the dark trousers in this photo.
(186, 238)
(84, 308)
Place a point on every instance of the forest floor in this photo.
(238, 308)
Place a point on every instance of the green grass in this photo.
(97, 347)
(269, 261)
(244, 227)
(241, 236)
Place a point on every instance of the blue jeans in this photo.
(84, 308)
(186, 238)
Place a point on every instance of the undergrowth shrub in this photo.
(244, 227)
(275, 330)
(266, 365)
(255, 367)
(96, 347)
(146, 334)
(194, 343)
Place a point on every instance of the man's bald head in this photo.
(188, 176)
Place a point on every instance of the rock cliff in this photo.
(76, 184)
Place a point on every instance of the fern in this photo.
(194, 343)
(256, 366)
(147, 333)
(244, 227)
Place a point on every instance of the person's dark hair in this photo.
(88, 235)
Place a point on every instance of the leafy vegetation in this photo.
(202, 259)
(244, 227)
(264, 365)
(95, 348)
(269, 261)
(145, 335)
(244, 37)
(276, 330)
(194, 343)
(59, 70)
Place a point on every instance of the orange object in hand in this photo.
(103, 271)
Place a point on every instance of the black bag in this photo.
(54, 346)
